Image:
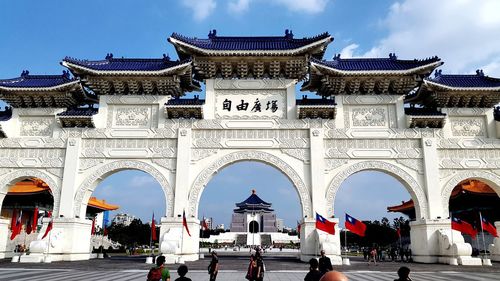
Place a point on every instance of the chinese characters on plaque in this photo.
(271, 105)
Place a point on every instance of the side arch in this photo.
(88, 186)
(415, 190)
(491, 179)
(22, 174)
(206, 175)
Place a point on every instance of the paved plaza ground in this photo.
(233, 267)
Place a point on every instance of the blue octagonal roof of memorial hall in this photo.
(125, 64)
(250, 43)
(466, 81)
(392, 63)
(28, 81)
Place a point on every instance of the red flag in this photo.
(13, 220)
(398, 232)
(92, 230)
(49, 227)
(153, 228)
(105, 232)
(29, 225)
(355, 226)
(34, 223)
(184, 222)
(16, 228)
(324, 224)
(489, 227)
(299, 227)
(464, 227)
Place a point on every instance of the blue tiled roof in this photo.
(36, 81)
(479, 80)
(375, 64)
(6, 114)
(234, 43)
(415, 111)
(126, 64)
(316, 102)
(194, 101)
(79, 112)
(253, 200)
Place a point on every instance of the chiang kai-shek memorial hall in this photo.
(430, 131)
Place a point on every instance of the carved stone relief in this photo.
(136, 99)
(489, 178)
(332, 164)
(201, 153)
(90, 182)
(371, 99)
(369, 116)
(32, 126)
(300, 154)
(386, 133)
(282, 138)
(28, 157)
(371, 148)
(148, 148)
(137, 116)
(204, 177)
(169, 164)
(468, 126)
(255, 84)
(415, 190)
(469, 158)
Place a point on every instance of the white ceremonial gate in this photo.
(381, 114)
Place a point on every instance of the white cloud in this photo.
(463, 33)
(306, 6)
(142, 181)
(238, 6)
(348, 51)
(201, 8)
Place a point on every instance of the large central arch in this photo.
(206, 175)
(90, 183)
(18, 175)
(416, 192)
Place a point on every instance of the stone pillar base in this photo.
(69, 240)
(312, 241)
(4, 236)
(175, 243)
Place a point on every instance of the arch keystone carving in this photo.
(415, 190)
(90, 183)
(206, 175)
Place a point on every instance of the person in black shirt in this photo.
(314, 274)
(182, 271)
(325, 264)
(213, 267)
(403, 274)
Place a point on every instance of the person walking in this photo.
(260, 265)
(159, 272)
(182, 271)
(325, 264)
(373, 256)
(213, 267)
(252, 269)
(314, 274)
(403, 274)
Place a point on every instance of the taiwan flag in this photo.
(355, 226)
(153, 228)
(204, 225)
(463, 227)
(49, 226)
(487, 226)
(325, 225)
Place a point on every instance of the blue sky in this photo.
(36, 35)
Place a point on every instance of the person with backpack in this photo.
(314, 274)
(159, 272)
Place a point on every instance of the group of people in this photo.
(375, 254)
(161, 273)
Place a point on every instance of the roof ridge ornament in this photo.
(25, 73)
(212, 34)
(393, 56)
(166, 57)
(438, 73)
(479, 72)
(288, 34)
(336, 56)
(109, 56)
(66, 74)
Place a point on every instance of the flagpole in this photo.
(452, 252)
(182, 234)
(482, 233)
(151, 235)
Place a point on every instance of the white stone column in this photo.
(431, 179)
(317, 173)
(4, 236)
(182, 172)
(312, 241)
(209, 106)
(70, 182)
(175, 243)
(290, 99)
(424, 239)
(340, 114)
(400, 113)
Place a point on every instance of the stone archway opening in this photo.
(365, 190)
(250, 203)
(26, 202)
(470, 200)
(121, 206)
